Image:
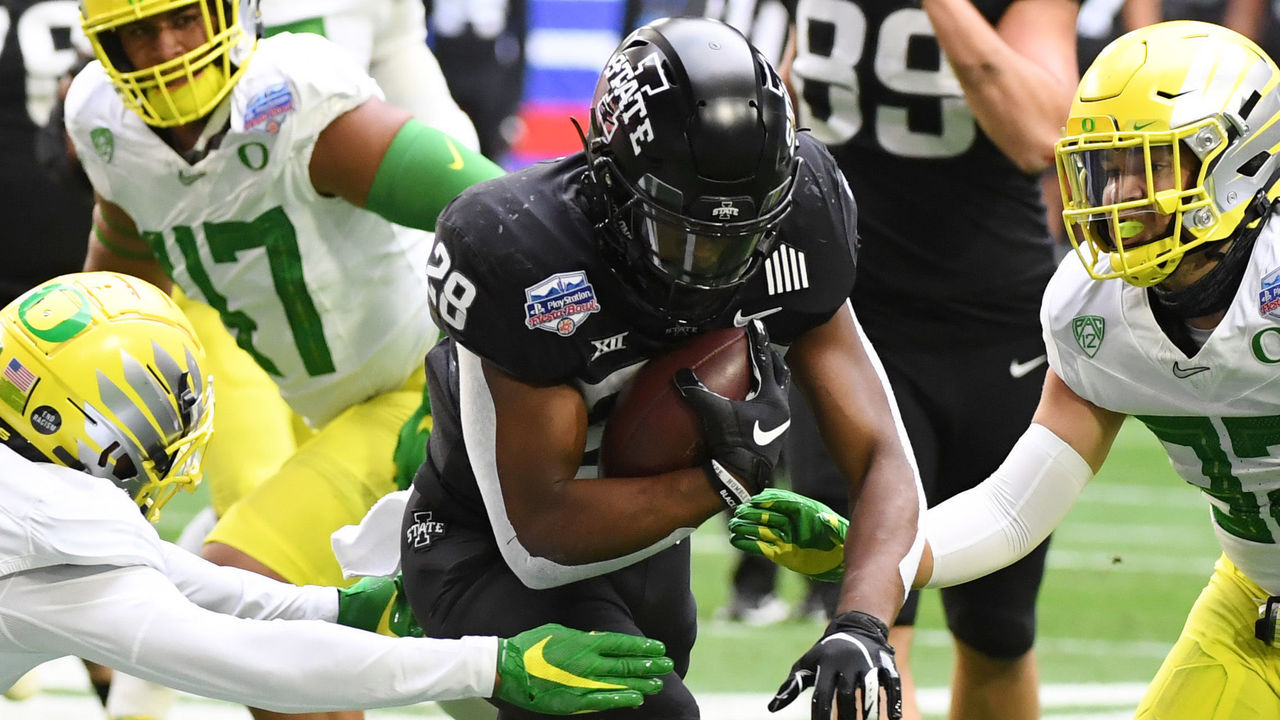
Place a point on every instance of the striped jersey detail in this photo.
(785, 270)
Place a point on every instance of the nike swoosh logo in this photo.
(740, 320)
(764, 437)
(1181, 372)
(1139, 126)
(1020, 369)
(186, 179)
(535, 663)
(457, 158)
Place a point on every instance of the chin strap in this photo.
(1215, 290)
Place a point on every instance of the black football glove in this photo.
(743, 437)
(849, 665)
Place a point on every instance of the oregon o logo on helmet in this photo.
(625, 99)
(56, 312)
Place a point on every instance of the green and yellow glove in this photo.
(377, 604)
(557, 670)
(792, 530)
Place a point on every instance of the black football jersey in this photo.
(48, 209)
(954, 236)
(518, 278)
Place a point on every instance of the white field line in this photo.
(1129, 562)
(1199, 564)
(66, 695)
(1176, 494)
(1164, 536)
(1146, 649)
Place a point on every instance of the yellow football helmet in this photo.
(205, 74)
(101, 372)
(1171, 143)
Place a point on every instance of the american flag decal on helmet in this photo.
(785, 271)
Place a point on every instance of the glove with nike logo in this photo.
(555, 670)
(743, 437)
(849, 666)
(794, 531)
(377, 604)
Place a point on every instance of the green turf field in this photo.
(1124, 569)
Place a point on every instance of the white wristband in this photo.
(732, 492)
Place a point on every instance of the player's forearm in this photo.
(601, 518)
(244, 594)
(883, 545)
(135, 620)
(593, 532)
(115, 244)
(294, 667)
(996, 77)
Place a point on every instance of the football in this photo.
(652, 430)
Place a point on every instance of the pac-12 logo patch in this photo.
(268, 109)
(1269, 295)
(1089, 331)
(560, 303)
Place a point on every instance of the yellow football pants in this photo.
(1217, 670)
(279, 488)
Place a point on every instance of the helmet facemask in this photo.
(179, 90)
(692, 152)
(683, 267)
(1138, 198)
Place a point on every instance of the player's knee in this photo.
(1000, 633)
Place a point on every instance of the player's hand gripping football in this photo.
(743, 437)
(377, 604)
(794, 531)
(848, 666)
(557, 670)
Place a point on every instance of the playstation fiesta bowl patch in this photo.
(560, 303)
(1269, 295)
(269, 109)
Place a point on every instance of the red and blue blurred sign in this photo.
(568, 42)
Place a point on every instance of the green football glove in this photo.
(377, 604)
(792, 530)
(557, 670)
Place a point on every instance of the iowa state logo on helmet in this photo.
(623, 104)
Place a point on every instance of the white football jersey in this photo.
(53, 515)
(1216, 413)
(82, 573)
(389, 39)
(330, 299)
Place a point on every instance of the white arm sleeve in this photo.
(244, 594)
(411, 77)
(134, 620)
(480, 421)
(994, 524)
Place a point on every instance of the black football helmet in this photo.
(692, 149)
